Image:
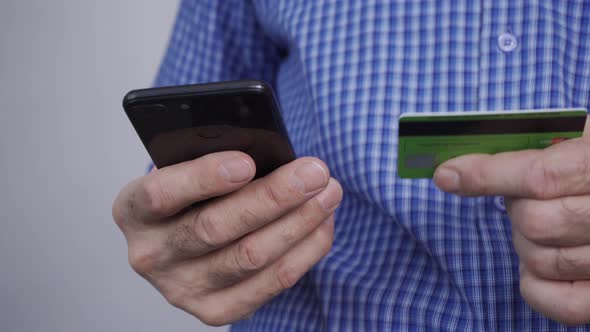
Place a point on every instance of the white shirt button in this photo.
(507, 42)
(499, 203)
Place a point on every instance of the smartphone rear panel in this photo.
(183, 123)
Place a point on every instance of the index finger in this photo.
(263, 201)
(167, 191)
(560, 170)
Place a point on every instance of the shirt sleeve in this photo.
(217, 40)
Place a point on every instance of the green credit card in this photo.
(428, 139)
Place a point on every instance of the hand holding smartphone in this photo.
(203, 222)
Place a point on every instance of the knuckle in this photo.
(275, 196)
(478, 182)
(213, 315)
(177, 298)
(248, 257)
(536, 262)
(156, 198)
(572, 211)
(125, 205)
(325, 239)
(289, 235)
(565, 262)
(248, 218)
(287, 276)
(117, 212)
(202, 232)
(143, 258)
(542, 180)
(208, 229)
(535, 226)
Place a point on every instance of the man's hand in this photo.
(548, 201)
(242, 244)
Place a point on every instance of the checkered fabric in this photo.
(405, 256)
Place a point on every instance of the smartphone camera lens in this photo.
(150, 109)
(159, 108)
(245, 112)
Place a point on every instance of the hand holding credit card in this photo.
(546, 195)
(426, 140)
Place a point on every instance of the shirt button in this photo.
(499, 203)
(507, 42)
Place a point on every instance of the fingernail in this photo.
(235, 170)
(310, 177)
(447, 180)
(329, 198)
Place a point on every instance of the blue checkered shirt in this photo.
(406, 256)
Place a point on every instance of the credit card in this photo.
(426, 140)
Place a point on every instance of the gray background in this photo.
(65, 150)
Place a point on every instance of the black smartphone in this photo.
(182, 123)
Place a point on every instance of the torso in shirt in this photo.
(406, 256)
